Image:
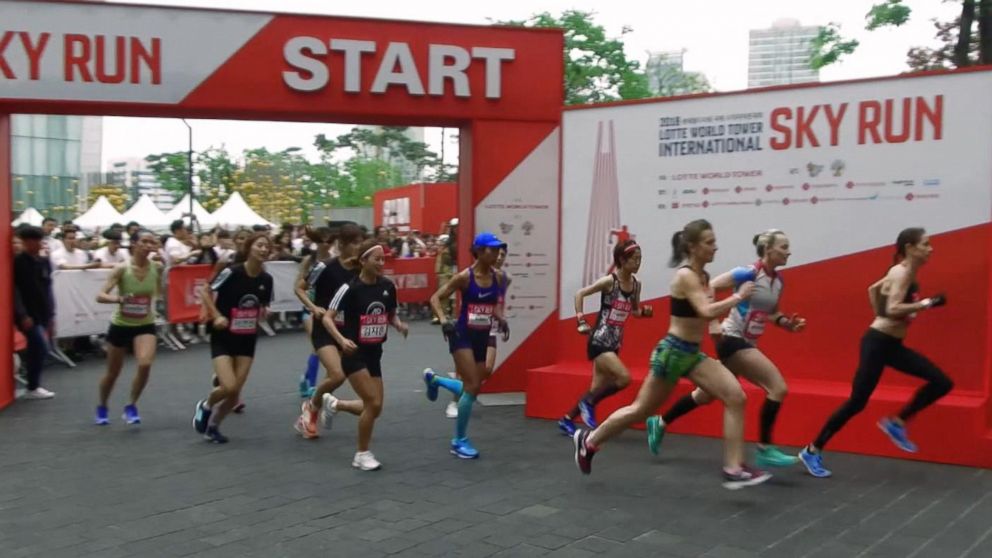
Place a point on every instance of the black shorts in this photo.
(492, 341)
(123, 336)
(367, 357)
(477, 340)
(224, 343)
(593, 350)
(320, 337)
(729, 345)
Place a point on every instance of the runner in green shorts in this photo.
(678, 355)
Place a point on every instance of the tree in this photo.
(959, 47)
(116, 195)
(171, 170)
(596, 68)
(666, 78)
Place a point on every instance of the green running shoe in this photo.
(656, 432)
(770, 456)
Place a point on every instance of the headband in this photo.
(631, 248)
(366, 253)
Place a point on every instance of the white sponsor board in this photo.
(522, 211)
(840, 168)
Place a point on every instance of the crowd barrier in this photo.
(79, 314)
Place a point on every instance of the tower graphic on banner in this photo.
(604, 208)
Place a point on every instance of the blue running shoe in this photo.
(213, 435)
(567, 426)
(101, 416)
(897, 433)
(130, 415)
(462, 448)
(201, 417)
(814, 464)
(588, 413)
(431, 386)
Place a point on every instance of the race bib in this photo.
(372, 328)
(480, 316)
(244, 321)
(755, 324)
(619, 311)
(136, 306)
(339, 320)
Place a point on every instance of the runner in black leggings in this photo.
(895, 300)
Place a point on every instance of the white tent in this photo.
(30, 216)
(203, 216)
(99, 216)
(146, 214)
(236, 213)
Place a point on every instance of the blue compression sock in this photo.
(464, 413)
(450, 384)
(311, 375)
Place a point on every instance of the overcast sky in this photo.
(714, 34)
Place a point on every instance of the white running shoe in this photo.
(328, 409)
(365, 461)
(38, 393)
(451, 411)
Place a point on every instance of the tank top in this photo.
(912, 295)
(749, 318)
(479, 304)
(681, 307)
(614, 308)
(137, 307)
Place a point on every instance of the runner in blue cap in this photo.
(481, 288)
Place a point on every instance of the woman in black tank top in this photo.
(609, 375)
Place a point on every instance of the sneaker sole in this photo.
(737, 485)
(463, 456)
(356, 465)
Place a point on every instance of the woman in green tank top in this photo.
(138, 285)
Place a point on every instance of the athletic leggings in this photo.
(879, 350)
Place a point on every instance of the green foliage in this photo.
(889, 13)
(171, 170)
(596, 68)
(829, 46)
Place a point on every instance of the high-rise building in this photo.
(781, 54)
(133, 174)
(51, 155)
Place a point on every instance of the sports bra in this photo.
(681, 307)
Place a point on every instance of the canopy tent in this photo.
(146, 214)
(30, 216)
(236, 213)
(100, 215)
(181, 211)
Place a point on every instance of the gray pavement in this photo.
(69, 488)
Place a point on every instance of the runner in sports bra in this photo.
(737, 346)
(139, 285)
(468, 337)
(678, 355)
(895, 300)
(620, 295)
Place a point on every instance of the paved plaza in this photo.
(73, 489)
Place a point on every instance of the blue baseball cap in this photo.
(487, 240)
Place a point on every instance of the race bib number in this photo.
(244, 321)
(480, 316)
(136, 306)
(372, 328)
(619, 311)
(755, 324)
(339, 320)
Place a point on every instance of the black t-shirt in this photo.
(241, 297)
(367, 309)
(326, 278)
(33, 287)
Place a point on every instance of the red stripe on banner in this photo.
(183, 285)
(498, 148)
(534, 351)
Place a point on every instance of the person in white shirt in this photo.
(177, 251)
(111, 254)
(70, 256)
